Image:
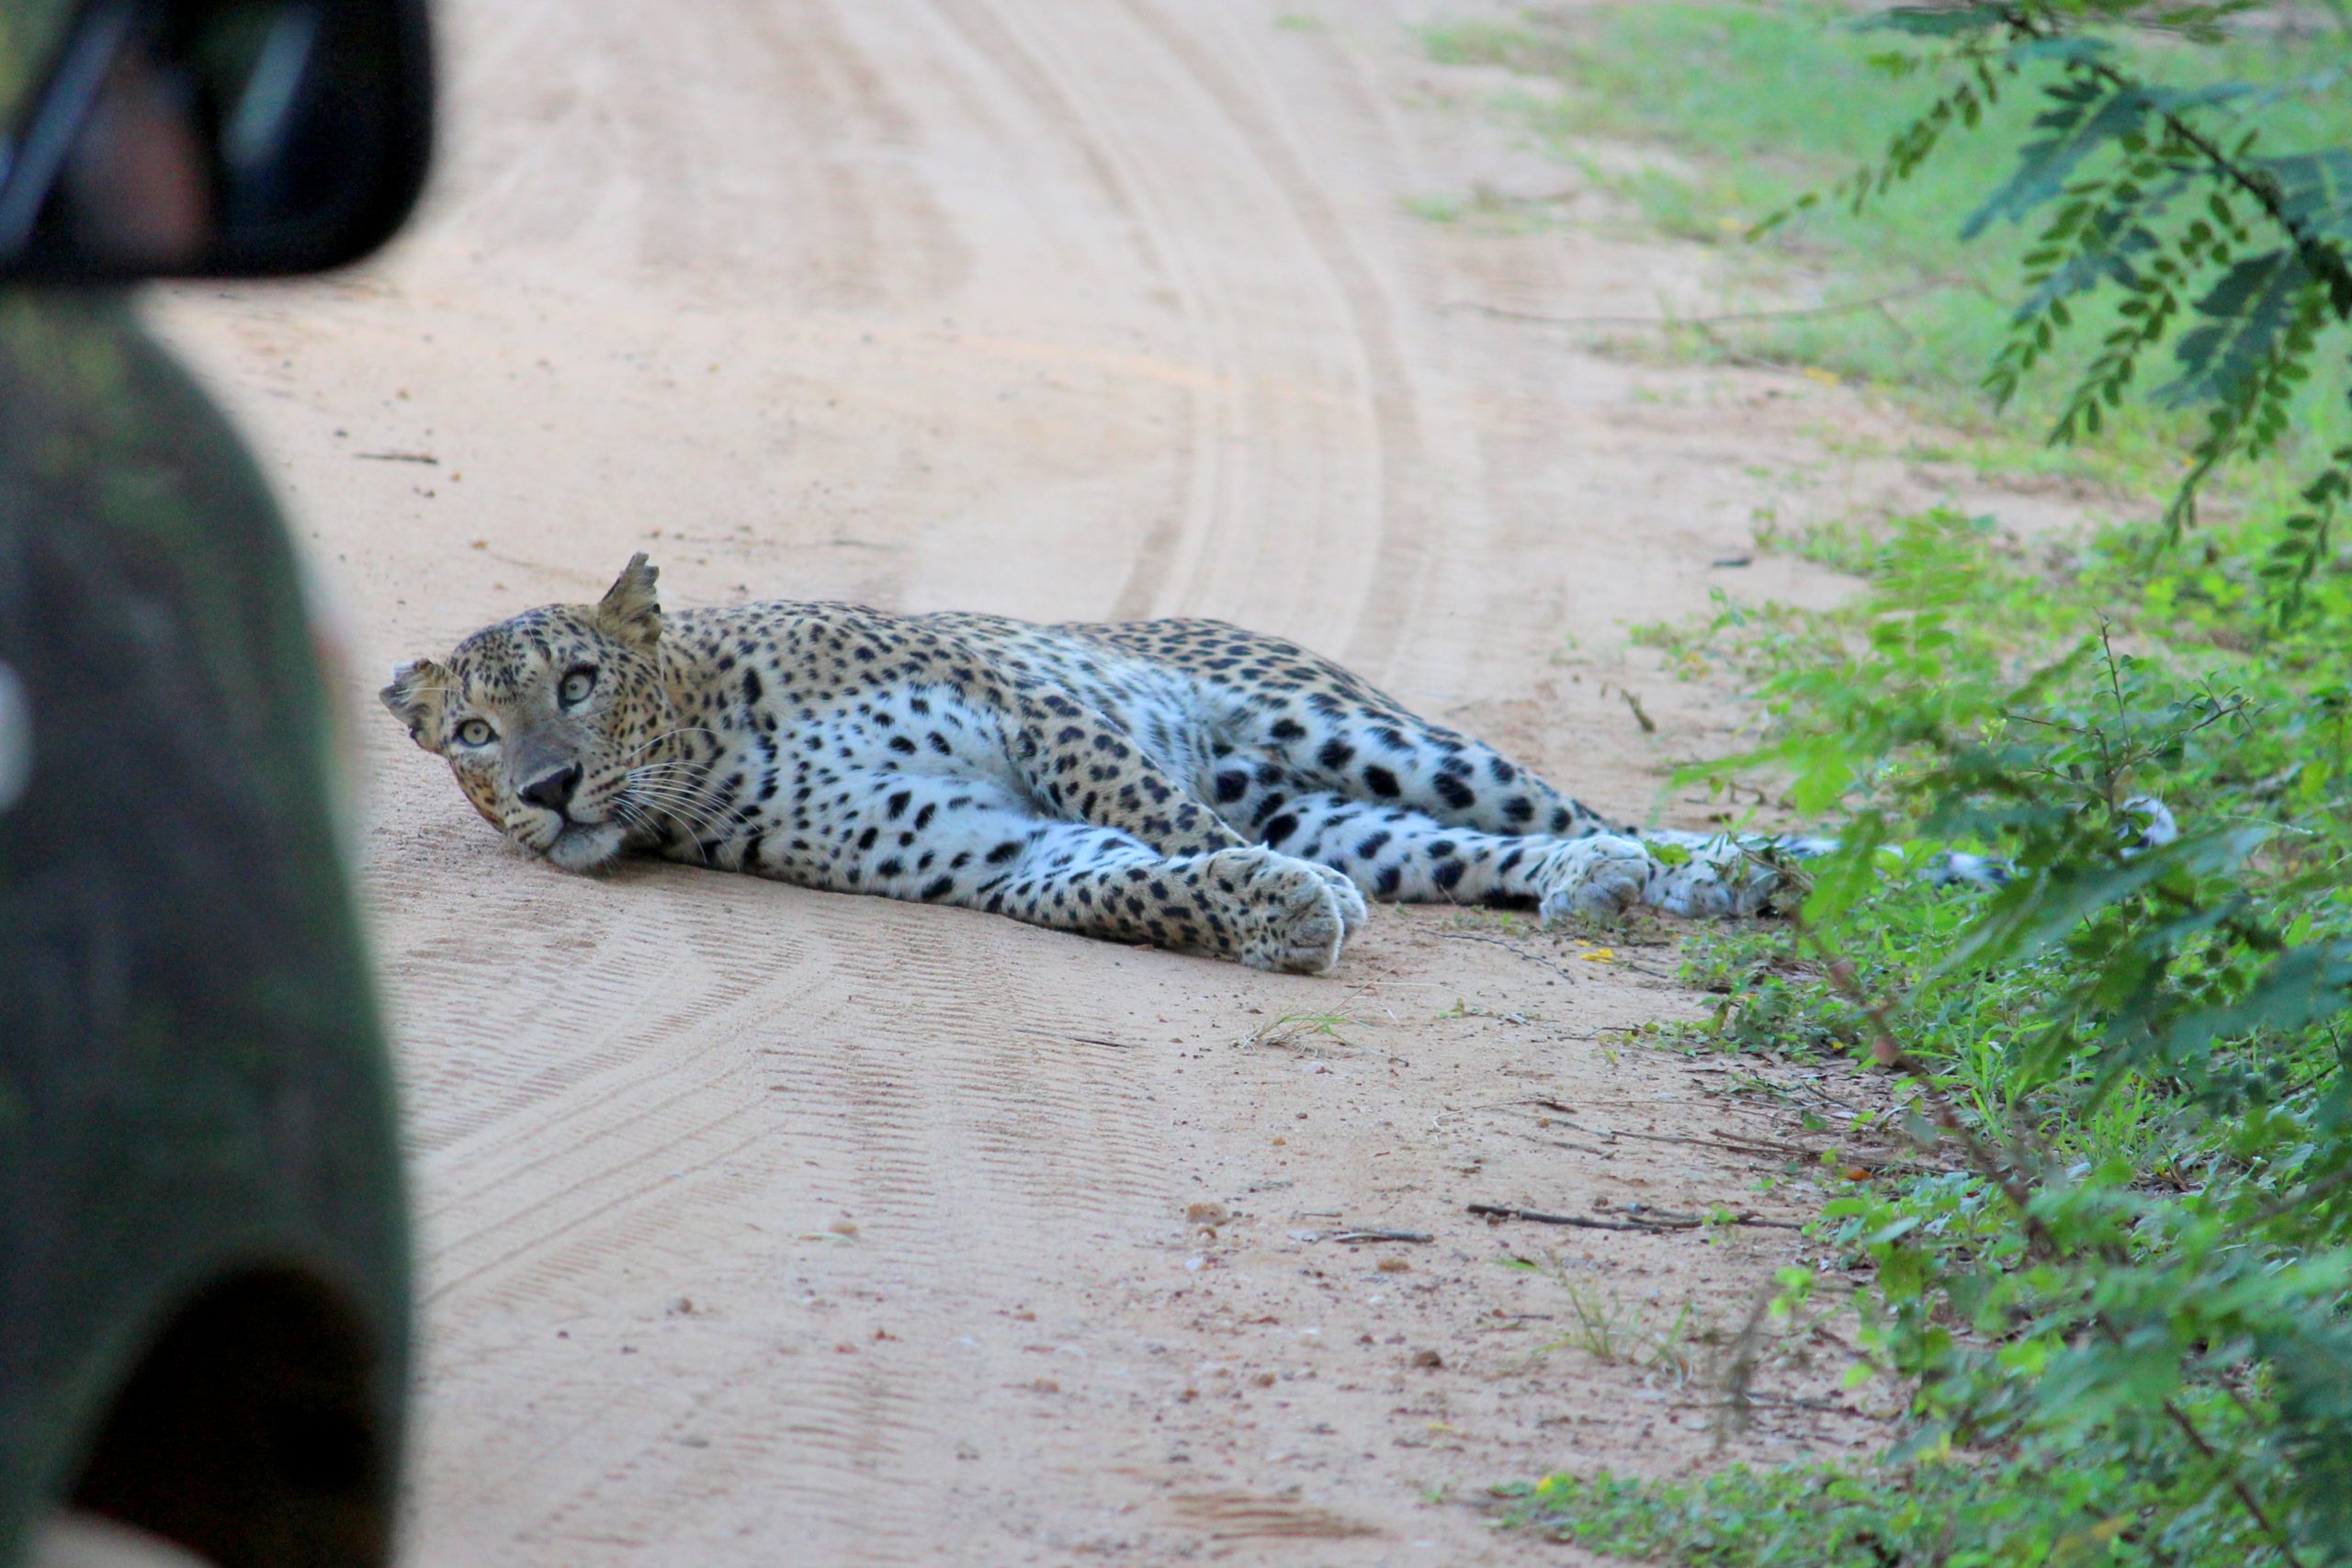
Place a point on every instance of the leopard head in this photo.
(556, 723)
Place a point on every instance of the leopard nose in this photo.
(553, 790)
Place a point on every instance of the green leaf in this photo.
(2072, 49)
(2083, 125)
(1891, 1231)
(2035, 911)
(2176, 100)
(1939, 21)
(2298, 987)
(2315, 189)
(2115, 235)
(2255, 303)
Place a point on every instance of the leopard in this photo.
(1182, 784)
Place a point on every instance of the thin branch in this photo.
(1700, 324)
(1513, 948)
(2245, 1496)
(1498, 1212)
(2324, 1185)
(1663, 1222)
(1888, 1051)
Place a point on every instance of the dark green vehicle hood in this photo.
(192, 1086)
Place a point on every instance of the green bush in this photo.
(1762, 103)
(2121, 1318)
(2118, 1319)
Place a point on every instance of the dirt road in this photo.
(760, 1226)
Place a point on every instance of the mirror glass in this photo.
(30, 33)
(177, 137)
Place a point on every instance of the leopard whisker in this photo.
(666, 773)
(674, 803)
(690, 809)
(672, 787)
(669, 735)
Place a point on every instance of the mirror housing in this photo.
(217, 139)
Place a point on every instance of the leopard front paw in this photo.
(1282, 914)
(1353, 910)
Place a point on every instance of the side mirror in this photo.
(215, 138)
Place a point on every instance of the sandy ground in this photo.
(761, 1227)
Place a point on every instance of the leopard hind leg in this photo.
(1410, 857)
(1375, 752)
(1413, 811)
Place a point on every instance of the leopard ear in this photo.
(628, 610)
(416, 697)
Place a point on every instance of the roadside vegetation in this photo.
(2114, 1307)
(1734, 110)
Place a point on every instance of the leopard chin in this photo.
(585, 846)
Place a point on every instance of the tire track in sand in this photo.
(1388, 539)
(1280, 464)
(949, 1142)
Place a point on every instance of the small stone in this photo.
(1429, 1359)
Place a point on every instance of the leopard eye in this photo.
(476, 732)
(576, 685)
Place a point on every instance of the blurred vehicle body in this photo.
(203, 1257)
